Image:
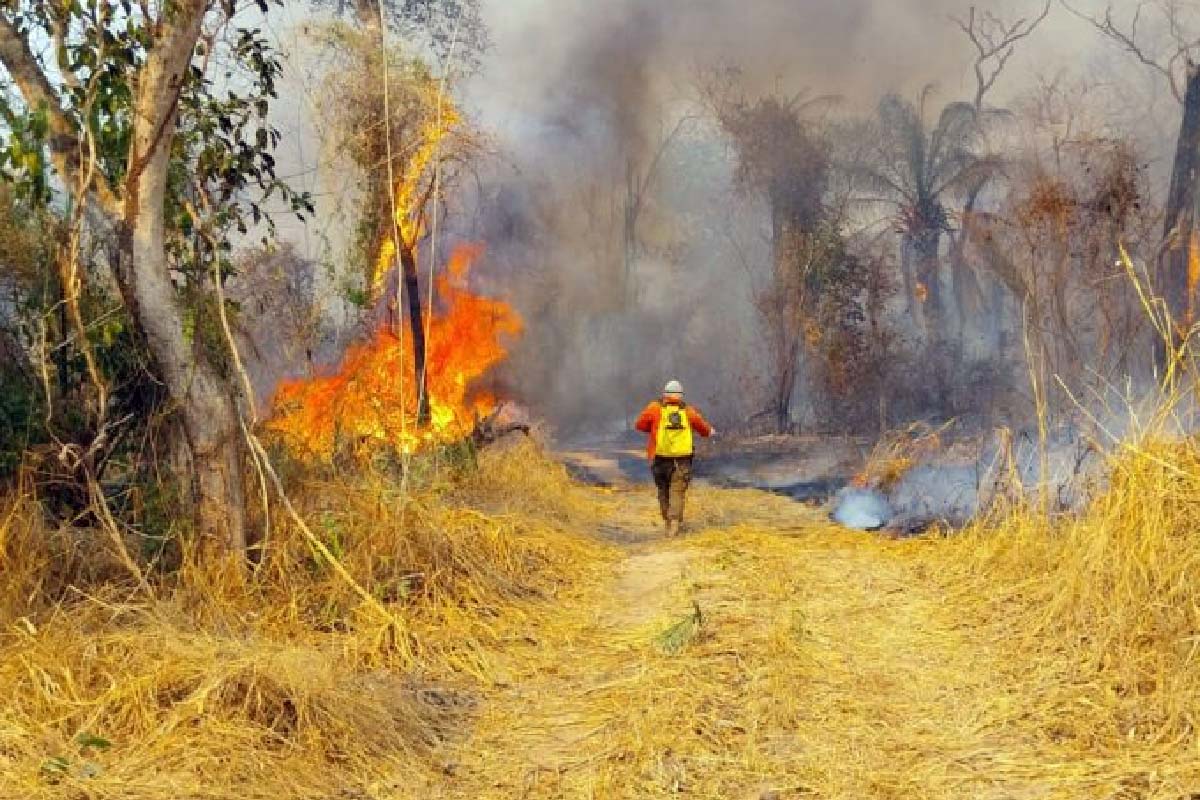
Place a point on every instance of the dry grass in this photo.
(767, 654)
(287, 685)
(784, 657)
(1104, 612)
(896, 452)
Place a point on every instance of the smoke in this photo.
(584, 100)
(606, 72)
(587, 100)
(612, 220)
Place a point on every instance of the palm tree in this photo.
(913, 169)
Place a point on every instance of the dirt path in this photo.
(766, 655)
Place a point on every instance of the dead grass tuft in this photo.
(1104, 605)
(286, 684)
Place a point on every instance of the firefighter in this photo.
(670, 423)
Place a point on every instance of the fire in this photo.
(410, 194)
(371, 399)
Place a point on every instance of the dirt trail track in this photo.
(765, 655)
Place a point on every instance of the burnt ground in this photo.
(805, 468)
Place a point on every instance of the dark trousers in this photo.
(672, 477)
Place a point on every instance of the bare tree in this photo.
(995, 42)
(781, 158)
(1169, 49)
(638, 183)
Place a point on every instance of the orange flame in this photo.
(409, 196)
(372, 398)
(1193, 279)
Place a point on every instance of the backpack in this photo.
(674, 435)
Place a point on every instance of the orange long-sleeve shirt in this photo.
(651, 416)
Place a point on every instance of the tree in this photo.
(782, 159)
(914, 168)
(163, 164)
(994, 40)
(453, 34)
(411, 145)
(1053, 241)
(1172, 55)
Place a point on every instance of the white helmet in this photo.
(673, 387)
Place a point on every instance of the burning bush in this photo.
(371, 399)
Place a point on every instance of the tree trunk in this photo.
(416, 324)
(912, 307)
(784, 317)
(923, 250)
(630, 234)
(926, 245)
(785, 387)
(1179, 266)
(998, 321)
(964, 283)
(205, 399)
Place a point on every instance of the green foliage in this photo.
(223, 166)
(330, 530)
(157, 513)
(221, 179)
(23, 159)
(20, 419)
(678, 636)
(78, 765)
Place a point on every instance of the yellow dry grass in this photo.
(289, 685)
(766, 654)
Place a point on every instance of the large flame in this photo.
(372, 398)
(411, 193)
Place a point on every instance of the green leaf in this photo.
(86, 740)
(675, 638)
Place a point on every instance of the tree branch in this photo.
(995, 42)
(64, 143)
(176, 38)
(1127, 40)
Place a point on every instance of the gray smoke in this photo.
(582, 96)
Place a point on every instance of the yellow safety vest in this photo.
(674, 437)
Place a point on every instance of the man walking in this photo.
(670, 423)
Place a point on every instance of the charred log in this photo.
(416, 324)
(489, 430)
